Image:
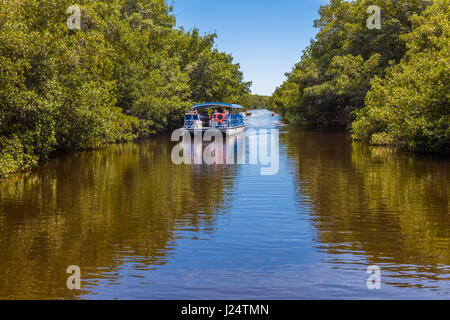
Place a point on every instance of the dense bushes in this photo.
(256, 101)
(411, 106)
(126, 72)
(404, 65)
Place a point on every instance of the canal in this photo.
(140, 227)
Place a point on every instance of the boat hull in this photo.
(228, 131)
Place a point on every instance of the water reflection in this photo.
(211, 147)
(381, 206)
(96, 209)
(142, 227)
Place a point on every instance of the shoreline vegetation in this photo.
(129, 72)
(126, 73)
(387, 86)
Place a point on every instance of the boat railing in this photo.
(230, 121)
(192, 121)
(235, 120)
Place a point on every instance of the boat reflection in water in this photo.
(215, 150)
(212, 148)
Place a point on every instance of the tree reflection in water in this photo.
(378, 205)
(98, 208)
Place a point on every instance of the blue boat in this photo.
(225, 118)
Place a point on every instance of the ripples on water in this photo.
(140, 227)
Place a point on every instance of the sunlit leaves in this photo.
(126, 71)
(410, 108)
(333, 77)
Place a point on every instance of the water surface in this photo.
(141, 227)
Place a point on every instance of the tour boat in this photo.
(224, 117)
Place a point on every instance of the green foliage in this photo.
(394, 80)
(333, 77)
(255, 101)
(212, 74)
(126, 72)
(410, 107)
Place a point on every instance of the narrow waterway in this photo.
(141, 227)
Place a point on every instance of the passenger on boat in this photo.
(204, 118)
(227, 113)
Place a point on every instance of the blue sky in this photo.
(265, 37)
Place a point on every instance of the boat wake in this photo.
(263, 119)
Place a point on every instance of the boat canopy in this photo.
(216, 104)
